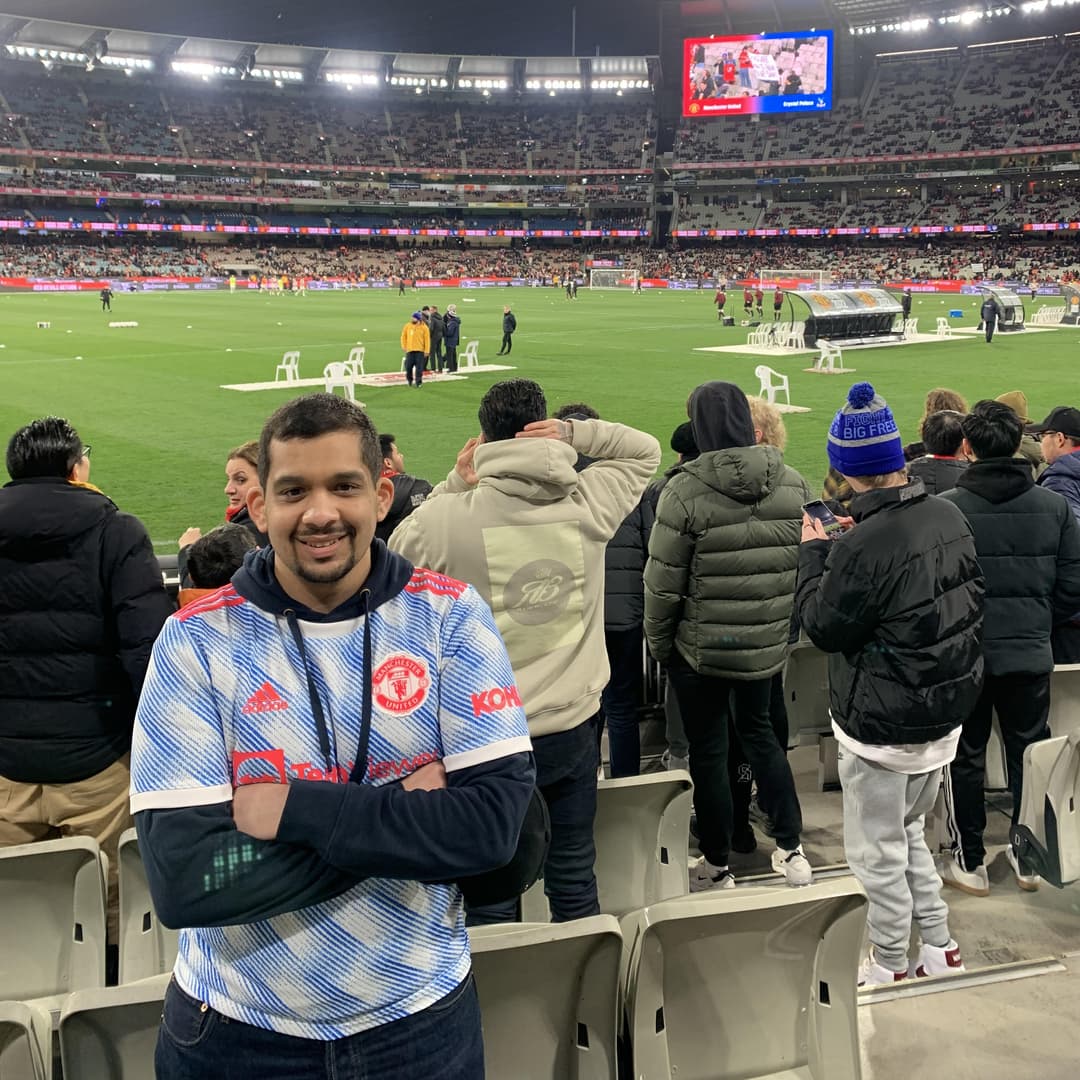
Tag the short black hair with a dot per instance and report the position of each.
(386, 444)
(576, 410)
(942, 432)
(46, 447)
(320, 414)
(993, 429)
(214, 558)
(508, 406)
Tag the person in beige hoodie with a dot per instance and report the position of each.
(514, 520)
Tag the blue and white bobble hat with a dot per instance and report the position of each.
(864, 439)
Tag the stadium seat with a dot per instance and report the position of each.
(338, 374)
(806, 693)
(751, 982)
(549, 998)
(944, 327)
(112, 1033)
(147, 947)
(769, 388)
(642, 834)
(290, 366)
(471, 357)
(795, 336)
(1047, 835)
(830, 359)
(52, 934)
(25, 1041)
(1065, 699)
(355, 363)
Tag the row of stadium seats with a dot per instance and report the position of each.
(69, 112)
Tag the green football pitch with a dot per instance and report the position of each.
(149, 400)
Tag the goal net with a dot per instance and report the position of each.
(794, 278)
(613, 279)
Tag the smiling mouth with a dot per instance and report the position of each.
(320, 543)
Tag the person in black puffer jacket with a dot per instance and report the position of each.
(81, 603)
(451, 337)
(943, 463)
(897, 603)
(1029, 547)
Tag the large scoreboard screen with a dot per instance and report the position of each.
(758, 73)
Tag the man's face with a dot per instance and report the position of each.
(319, 510)
(1053, 446)
(395, 460)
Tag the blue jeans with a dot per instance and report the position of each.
(620, 700)
(566, 765)
(444, 1041)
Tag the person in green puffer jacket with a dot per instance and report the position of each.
(719, 585)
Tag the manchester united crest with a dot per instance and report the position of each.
(400, 683)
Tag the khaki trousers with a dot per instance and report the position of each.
(95, 807)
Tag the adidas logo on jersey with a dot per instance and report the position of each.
(265, 699)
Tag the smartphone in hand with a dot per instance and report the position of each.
(817, 509)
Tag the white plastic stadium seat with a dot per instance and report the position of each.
(788, 1010)
(641, 831)
(911, 327)
(112, 1033)
(355, 363)
(471, 356)
(795, 337)
(25, 1041)
(289, 366)
(1065, 699)
(944, 327)
(1047, 836)
(147, 947)
(769, 387)
(337, 375)
(549, 998)
(806, 693)
(52, 933)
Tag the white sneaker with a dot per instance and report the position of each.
(871, 973)
(974, 882)
(793, 865)
(705, 876)
(935, 960)
(1027, 882)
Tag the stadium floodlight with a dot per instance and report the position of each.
(135, 63)
(42, 53)
(202, 68)
(278, 74)
(352, 78)
(482, 84)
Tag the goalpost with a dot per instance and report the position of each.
(624, 278)
(793, 278)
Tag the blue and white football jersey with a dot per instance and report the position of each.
(226, 703)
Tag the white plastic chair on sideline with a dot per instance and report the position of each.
(769, 388)
(830, 358)
(911, 327)
(549, 998)
(25, 1041)
(355, 363)
(337, 375)
(147, 947)
(944, 327)
(759, 335)
(796, 336)
(641, 831)
(471, 356)
(52, 933)
(112, 1032)
(289, 366)
(795, 952)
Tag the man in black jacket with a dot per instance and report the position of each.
(988, 313)
(409, 491)
(81, 602)
(509, 325)
(944, 462)
(436, 328)
(896, 601)
(1029, 547)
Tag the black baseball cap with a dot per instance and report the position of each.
(1063, 419)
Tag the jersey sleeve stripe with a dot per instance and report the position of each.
(519, 744)
(179, 798)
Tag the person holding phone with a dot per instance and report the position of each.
(896, 599)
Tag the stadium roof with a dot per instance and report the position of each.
(78, 43)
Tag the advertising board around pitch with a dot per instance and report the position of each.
(746, 74)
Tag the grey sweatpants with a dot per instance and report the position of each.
(885, 843)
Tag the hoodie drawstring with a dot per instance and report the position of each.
(317, 711)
